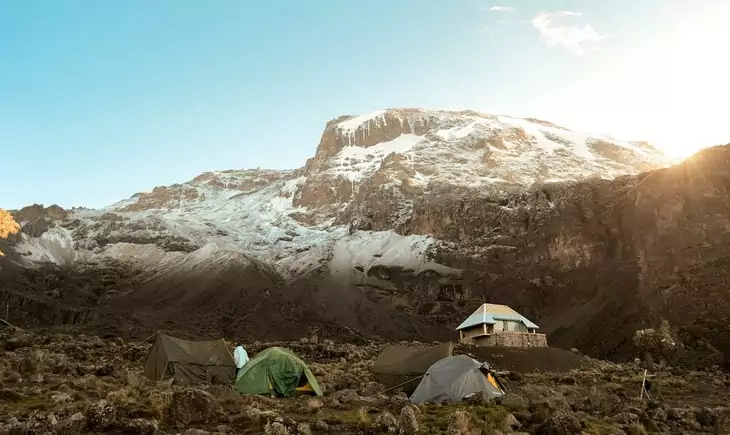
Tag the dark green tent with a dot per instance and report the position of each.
(189, 362)
(277, 371)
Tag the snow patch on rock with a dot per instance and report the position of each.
(55, 245)
(352, 124)
(356, 163)
(367, 249)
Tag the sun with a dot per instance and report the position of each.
(678, 151)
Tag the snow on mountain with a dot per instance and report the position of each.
(293, 220)
(470, 148)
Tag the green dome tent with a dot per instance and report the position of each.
(277, 371)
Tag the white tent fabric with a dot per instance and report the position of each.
(453, 379)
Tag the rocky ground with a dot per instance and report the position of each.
(68, 383)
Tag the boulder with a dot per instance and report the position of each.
(191, 406)
(386, 422)
(101, 415)
(560, 423)
(408, 423)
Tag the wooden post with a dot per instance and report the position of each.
(643, 383)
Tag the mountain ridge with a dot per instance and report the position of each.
(381, 256)
(384, 154)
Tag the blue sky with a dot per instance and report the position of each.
(102, 99)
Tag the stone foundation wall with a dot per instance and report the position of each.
(512, 339)
(473, 333)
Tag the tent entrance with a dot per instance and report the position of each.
(303, 387)
(193, 373)
(496, 383)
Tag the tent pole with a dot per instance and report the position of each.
(163, 372)
(643, 385)
(149, 351)
(148, 338)
(226, 345)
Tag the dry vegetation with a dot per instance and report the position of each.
(72, 383)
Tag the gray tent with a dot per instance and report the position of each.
(190, 362)
(455, 378)
(403, 366)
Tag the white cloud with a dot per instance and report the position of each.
(573, 38)
(502, 9)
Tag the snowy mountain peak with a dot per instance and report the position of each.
(408, 152)
(494, 140)
(367, 172)
(416, 150)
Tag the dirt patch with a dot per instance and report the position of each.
(526, 360)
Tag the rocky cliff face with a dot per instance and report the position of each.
(596, 260)
(400, 224)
